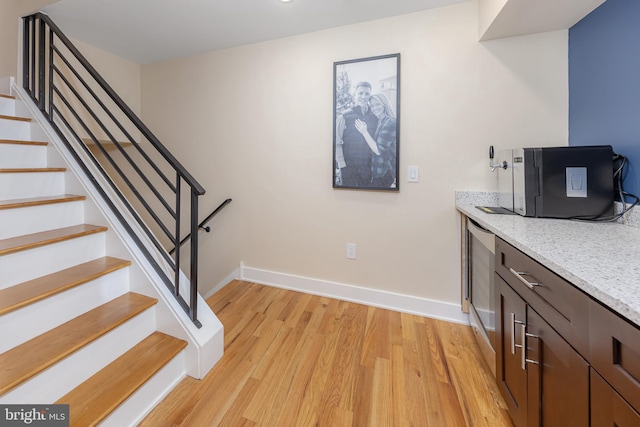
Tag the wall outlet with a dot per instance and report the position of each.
(351, 250)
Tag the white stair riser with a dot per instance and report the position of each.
(15, 129)
(56, 381)
(7, 106)
(28, 322)
(23, 156)
(33, 219)
(19, 325)
(25, 265)
(134, 409)
(31, 184)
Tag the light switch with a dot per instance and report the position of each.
(413, 174)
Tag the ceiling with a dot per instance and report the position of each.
(146, 31)
(518, 17)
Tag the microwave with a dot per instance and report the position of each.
(557, 182)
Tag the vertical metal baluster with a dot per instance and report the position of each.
(176, 241)
(34, 43)
(193, 295)
(25, 52)
(51, 36)
(41, 65)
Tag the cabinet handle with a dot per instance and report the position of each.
(513, 332)
(519, 275)
(523, 337)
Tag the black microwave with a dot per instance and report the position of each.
(557, 182)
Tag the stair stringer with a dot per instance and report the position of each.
(206, 344)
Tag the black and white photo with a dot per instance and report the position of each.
(366, 123)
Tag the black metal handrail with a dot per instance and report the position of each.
(147, 179)
(201, 226)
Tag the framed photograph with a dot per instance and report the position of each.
(366, 107)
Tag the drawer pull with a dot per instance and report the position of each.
(523, 337)
(513, 332)
(519, 275)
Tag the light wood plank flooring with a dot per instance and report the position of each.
(293, 359)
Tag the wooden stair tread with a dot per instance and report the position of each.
(30, 170)
(2, 95)
(96, 398)
(35, 290)
(19, 119)
(32, 357)
(29, 241)
(37, 201)
(22, 142)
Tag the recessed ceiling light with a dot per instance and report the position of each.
(286, 1)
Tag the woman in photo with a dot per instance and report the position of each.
(383, 142)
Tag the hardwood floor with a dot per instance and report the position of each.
(293, 359)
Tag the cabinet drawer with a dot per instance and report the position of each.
(608, 408)
(561, 304)
(615, 352)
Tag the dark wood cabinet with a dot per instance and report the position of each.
(558, 378)
(511, 378)
(615, 352)
(562, 358)
(609, 409)
(544, 381)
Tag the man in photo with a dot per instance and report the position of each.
(353, 155)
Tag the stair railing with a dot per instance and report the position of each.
(202, 225)
(92, 119)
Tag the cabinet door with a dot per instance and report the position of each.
(511, 378)
(615, 352)
(558, 378)
(608, 409)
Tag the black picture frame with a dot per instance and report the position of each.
(361, 162)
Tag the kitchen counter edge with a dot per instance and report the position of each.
(601, 259)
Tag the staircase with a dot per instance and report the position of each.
(73, 330)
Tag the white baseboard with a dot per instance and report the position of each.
(6, 84)
(234, 275)
(372, 297)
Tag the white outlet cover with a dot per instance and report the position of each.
(351, 250)
(413, 174)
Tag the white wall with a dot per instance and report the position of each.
(255, 124)
(122, 75)
(10, 22)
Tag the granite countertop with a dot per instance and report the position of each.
(601, 259)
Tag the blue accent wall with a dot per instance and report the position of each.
(604, 82)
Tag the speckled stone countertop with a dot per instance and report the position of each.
(602, 259)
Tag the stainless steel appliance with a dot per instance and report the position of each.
(557, 182)
(480, 246)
